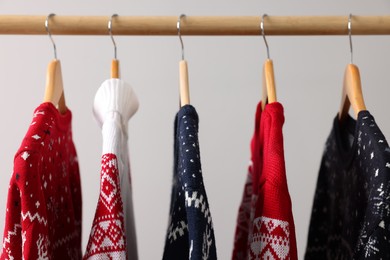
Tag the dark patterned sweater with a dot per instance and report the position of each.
(351, 211)
(190, 232)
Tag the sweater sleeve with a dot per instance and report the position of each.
(26, 228)
(243, 220)
(273, 227)
(107, 239)
(12, 239)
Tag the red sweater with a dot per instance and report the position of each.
(265, 226)
(43, 216)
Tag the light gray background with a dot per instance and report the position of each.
(225, 82)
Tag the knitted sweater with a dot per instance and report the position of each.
(265, 225)
(351, 210)
(113, 231)
(190, 232)
(43, 219)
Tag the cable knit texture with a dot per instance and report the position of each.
(43, 219)
(190, 232)
(265, 225)
(113, 233)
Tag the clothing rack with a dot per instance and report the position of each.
(195, 25)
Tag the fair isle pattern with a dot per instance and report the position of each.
(107, 239)
(197, 200)
(244, 214)
(177, 231)
(43, 244)
(190, 233)
(265, 225)
(207, 243)
(110, 188)
(43, 215)
(36, 216)
(7, 240)
(351, 210)
(14, 232)
(245, 219)
(64, 240)
(270, 239)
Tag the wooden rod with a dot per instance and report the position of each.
(195, 25)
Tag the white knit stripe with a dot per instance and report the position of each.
(36, 216)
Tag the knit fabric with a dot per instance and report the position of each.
(351, 211)
(113, 233)
(190, 232)
(43, 219)
(265, 225)
(107, 238)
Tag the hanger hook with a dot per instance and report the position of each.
(48, 32)
(350, 35)
(110, 32)
(178, 33)
(262, 32)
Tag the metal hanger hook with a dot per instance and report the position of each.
(48, 32)
(262, 32)
(350, 35)
(178, 33)
(110, 32)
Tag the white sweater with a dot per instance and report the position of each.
(115, 103)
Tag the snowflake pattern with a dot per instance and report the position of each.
(381, 200)
(42, 246)
(354, 187)
(41, 208)
(190, 234)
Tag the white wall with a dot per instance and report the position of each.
(225, 81)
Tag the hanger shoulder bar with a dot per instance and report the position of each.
(195, 25)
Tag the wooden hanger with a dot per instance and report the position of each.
(269, 87)
(115, 69)
(184, 87)
(115, 72)
(352, 94)
(54, 91)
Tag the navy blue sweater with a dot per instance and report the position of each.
(190, 232)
